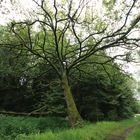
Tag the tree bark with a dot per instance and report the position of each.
(73, 114)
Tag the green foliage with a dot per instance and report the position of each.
(11, 127)
(12, 92)
(98, 131)
(103, 92)
(137, 107)
(52, 100)
(135, 134)
(109, 3)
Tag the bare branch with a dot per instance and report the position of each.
(126, 18)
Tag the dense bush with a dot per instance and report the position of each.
(104, 95)
(137, 107)
(11, 127)
(101, 92)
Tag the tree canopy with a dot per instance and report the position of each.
(71, 35)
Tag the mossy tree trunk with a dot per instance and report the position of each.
(73, 114)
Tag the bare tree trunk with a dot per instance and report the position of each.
(73, 114)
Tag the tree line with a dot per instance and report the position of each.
(64, 66)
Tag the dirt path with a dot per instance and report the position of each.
(121, 136)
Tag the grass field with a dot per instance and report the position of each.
(135, 134)
(98, 131)
(54, 128)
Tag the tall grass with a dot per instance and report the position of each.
(98, 131)
(135, 134)
(54, 128)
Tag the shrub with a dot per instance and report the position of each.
(11, 127)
